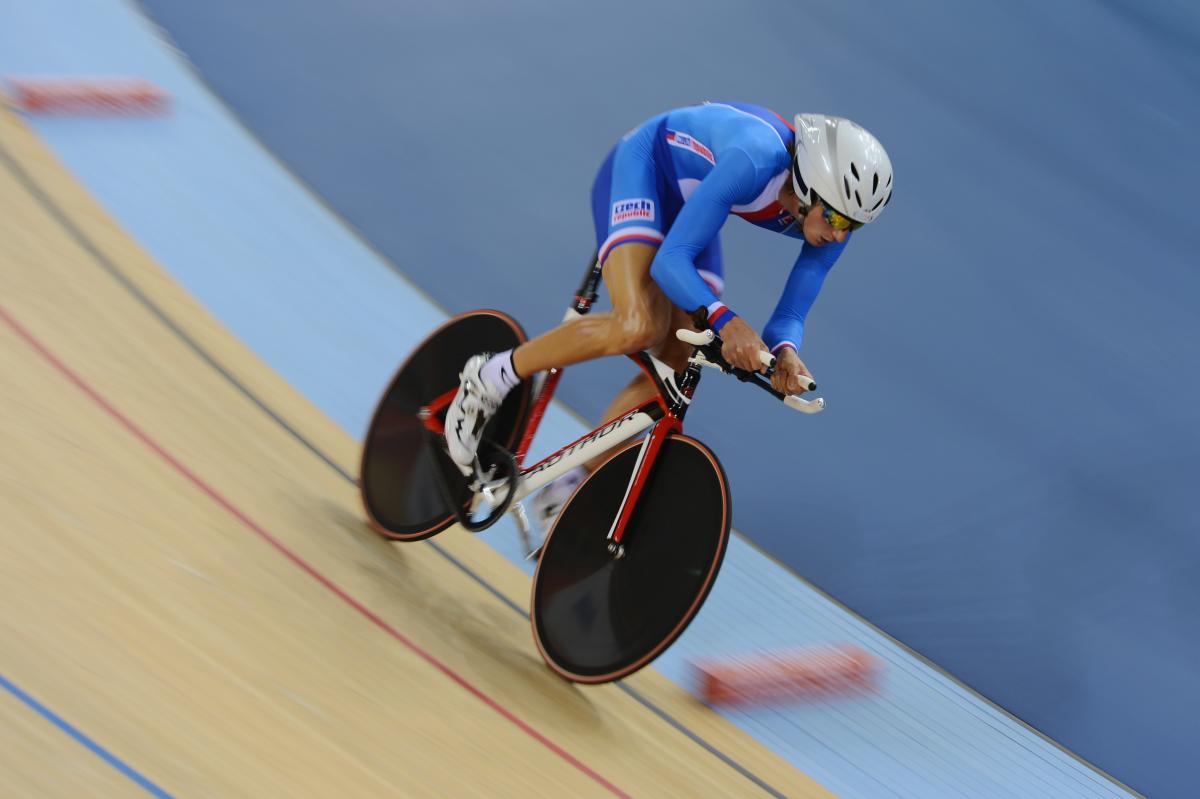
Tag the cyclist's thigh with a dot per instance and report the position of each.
(635, 296)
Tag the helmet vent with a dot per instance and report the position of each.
(854, 171)
(846, 186)
(858, 198)
(889, 181)
(800, 182)
(888, 200)
(877, 204)
(875, 183)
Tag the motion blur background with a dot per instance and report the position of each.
(1005, 479)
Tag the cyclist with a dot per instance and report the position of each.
(659, 202)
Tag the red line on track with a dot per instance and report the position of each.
(73, 377)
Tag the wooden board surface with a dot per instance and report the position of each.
(186, 577)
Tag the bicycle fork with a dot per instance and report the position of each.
(677, 396)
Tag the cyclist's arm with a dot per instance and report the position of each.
(786, 326)
(698, 223)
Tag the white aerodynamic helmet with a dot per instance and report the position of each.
(843, 165)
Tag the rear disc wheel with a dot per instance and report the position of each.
(401, 460)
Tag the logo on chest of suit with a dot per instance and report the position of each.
(686, 142)
(625, 210)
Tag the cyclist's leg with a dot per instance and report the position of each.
(671, 350)
(640, 319)
(631, 217)
(637, 321)
(625, 247)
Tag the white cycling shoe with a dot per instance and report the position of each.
(546, 504)
(475, 403)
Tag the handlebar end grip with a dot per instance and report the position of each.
(805, 406)
(696, 339)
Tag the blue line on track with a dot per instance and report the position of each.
(96, 749)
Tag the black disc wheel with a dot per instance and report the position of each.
(597, 617)
(402, 461)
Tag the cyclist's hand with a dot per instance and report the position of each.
(741, 345)
(789, 371)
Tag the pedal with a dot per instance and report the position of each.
(489, 492)
(479, 479)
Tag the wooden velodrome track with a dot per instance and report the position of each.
(187, 583)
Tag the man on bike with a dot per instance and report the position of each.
(659, 202)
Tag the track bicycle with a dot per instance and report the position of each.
(633, 552)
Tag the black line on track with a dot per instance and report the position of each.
(79, 237)
(83, 241)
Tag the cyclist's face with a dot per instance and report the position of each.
(817, 230)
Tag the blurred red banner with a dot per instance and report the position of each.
(75, 96)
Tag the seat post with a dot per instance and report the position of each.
(589, 289)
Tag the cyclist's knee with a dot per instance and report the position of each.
(635, 332)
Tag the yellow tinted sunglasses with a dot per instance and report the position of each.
(838, 221)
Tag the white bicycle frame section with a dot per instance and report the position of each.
(611, 435)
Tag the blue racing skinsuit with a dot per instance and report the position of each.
(673, 181)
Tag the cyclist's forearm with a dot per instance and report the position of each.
(676, 275)
(786, 325)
